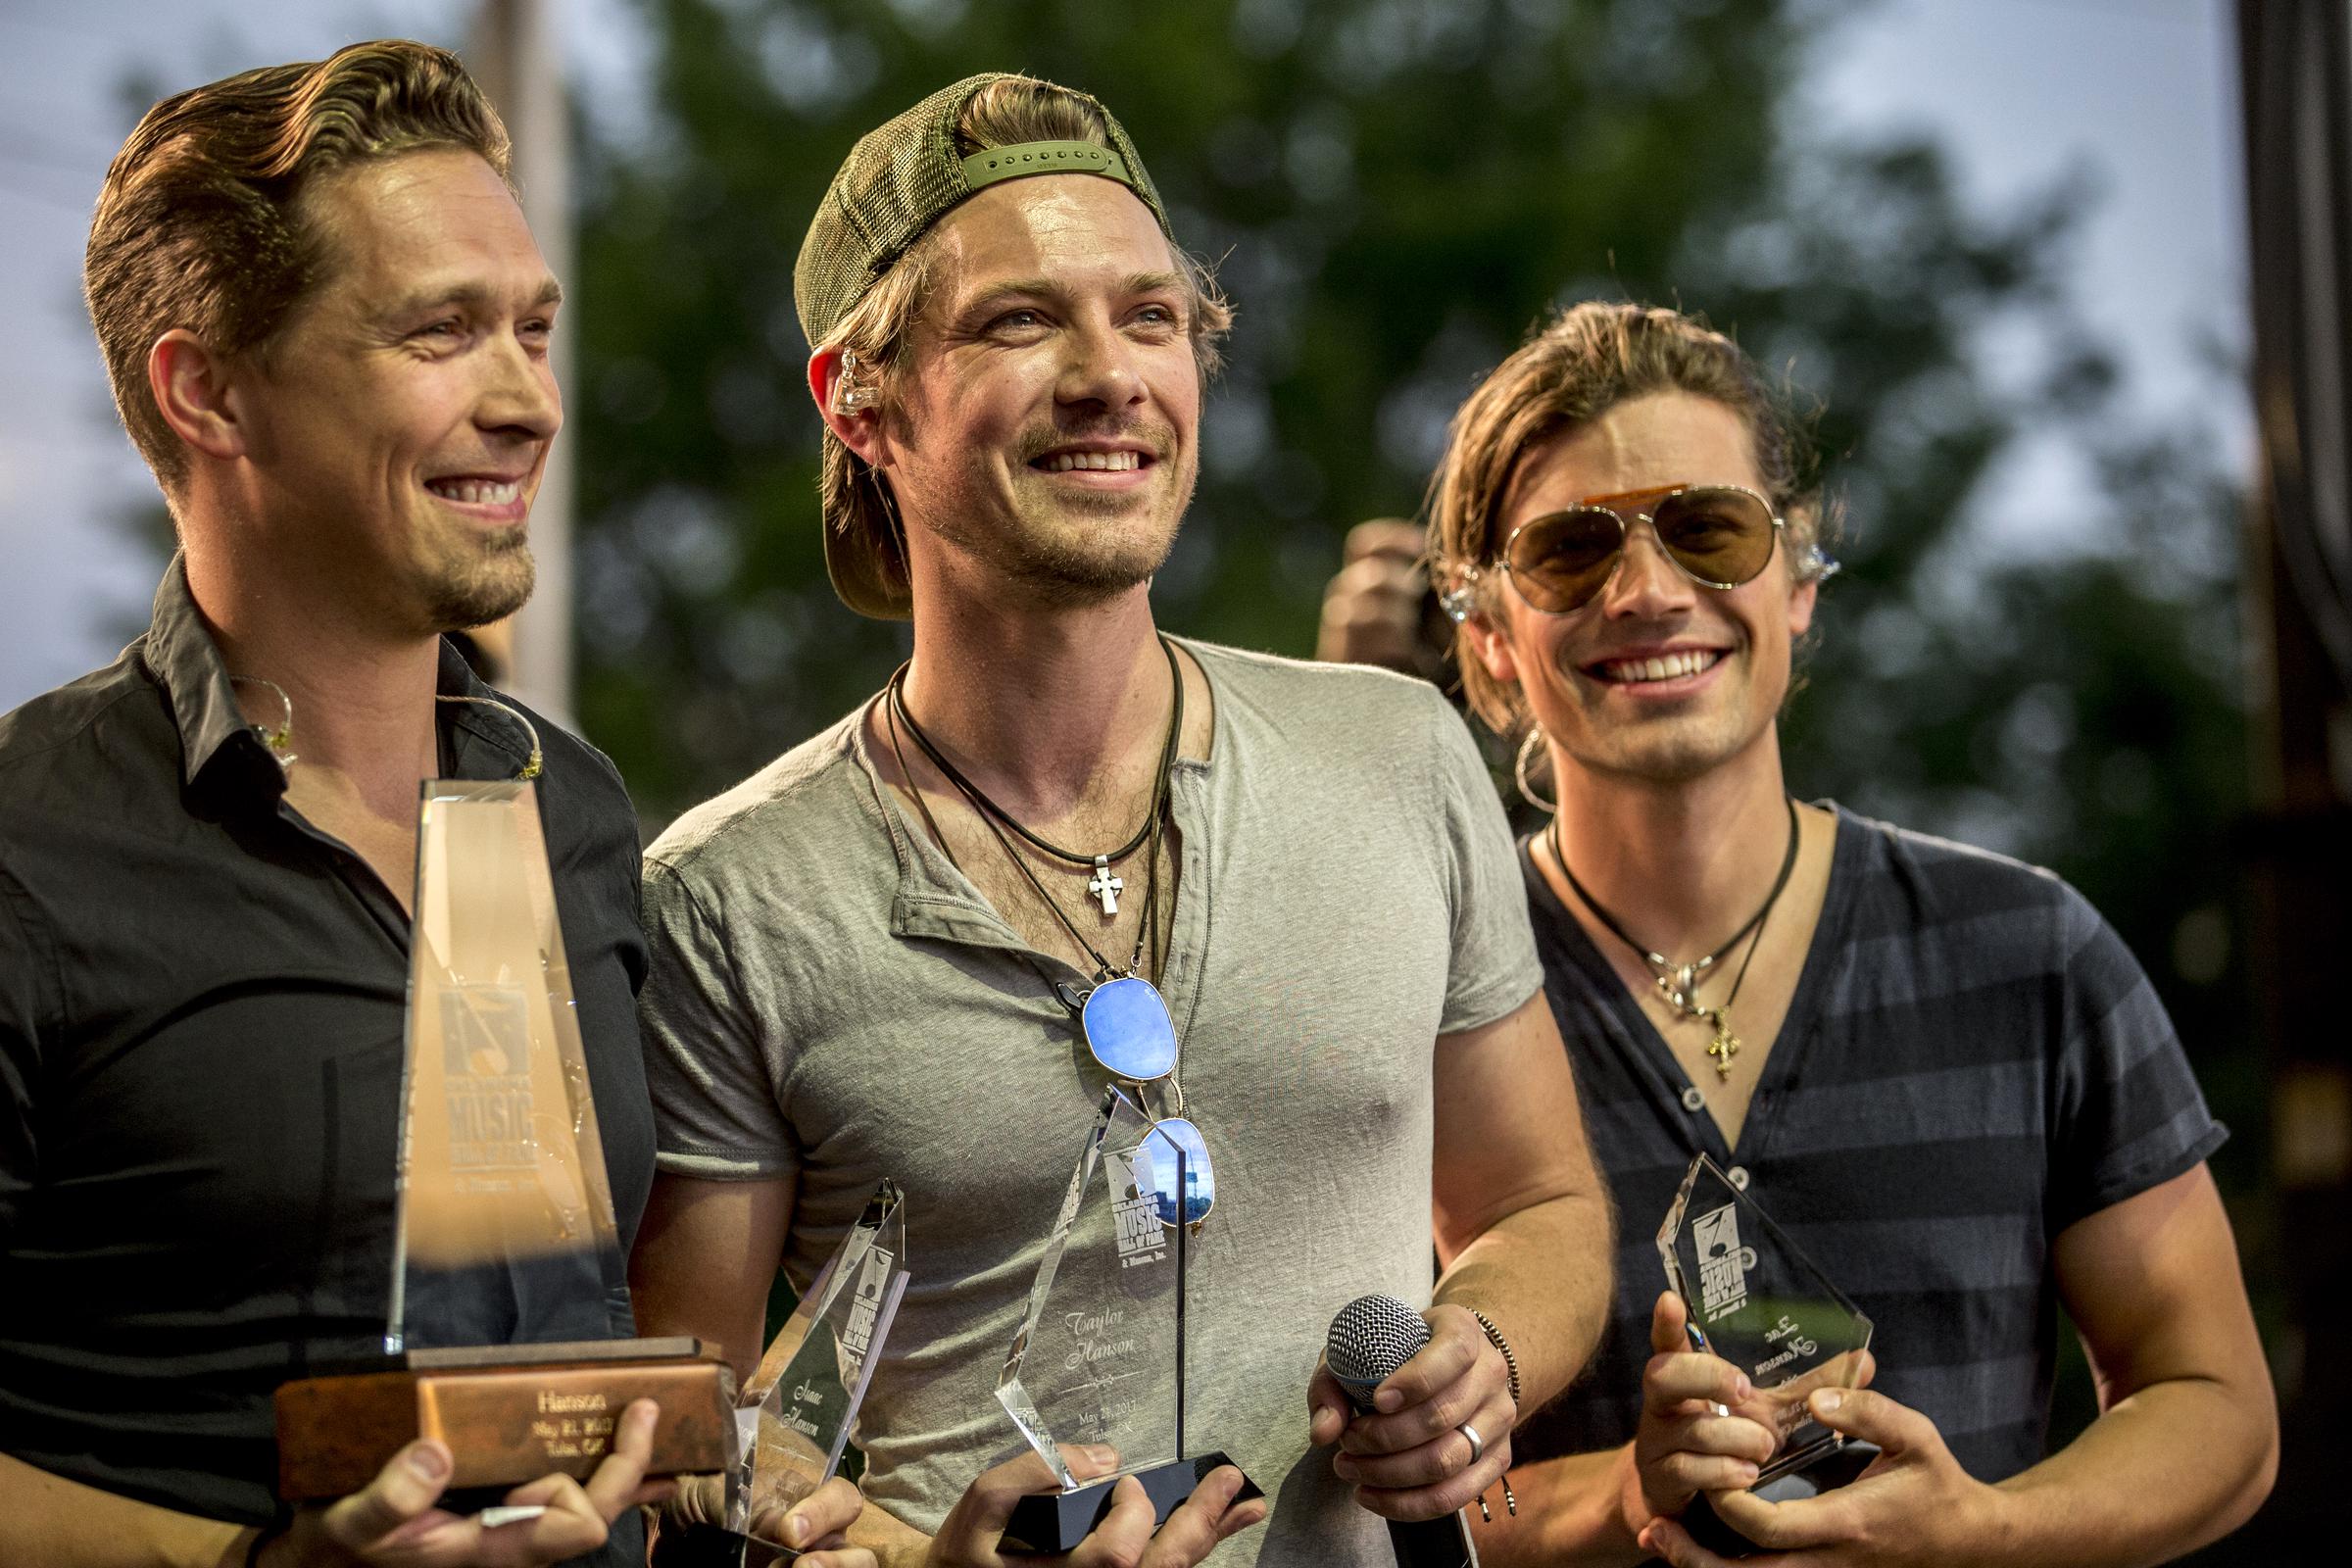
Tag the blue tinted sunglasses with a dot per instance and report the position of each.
(1129, 1031)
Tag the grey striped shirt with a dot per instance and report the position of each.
(1971, 1062)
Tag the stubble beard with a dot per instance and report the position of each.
(1670, 750)
(1667, 759)
(1078, 549)
(480, 579)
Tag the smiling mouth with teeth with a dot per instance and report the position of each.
(1666, 667)
(1095, 461)
(478, 492)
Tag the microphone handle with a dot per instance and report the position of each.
(1426, 1543)
(1433, 1543)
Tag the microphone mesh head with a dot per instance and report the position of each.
(1371, 1338)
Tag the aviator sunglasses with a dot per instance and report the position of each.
(1717, 535)
(1129, 1031)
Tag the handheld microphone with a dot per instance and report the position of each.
(1370, 1339)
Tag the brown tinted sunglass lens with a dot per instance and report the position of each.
(1720, 536)
(1560, 559)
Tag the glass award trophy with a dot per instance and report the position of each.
(1099, 1357)
(799, 1410)
(508, 1281)
(1759, 1304)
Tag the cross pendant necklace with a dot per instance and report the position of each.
(1104, 969)
(1725, 1045)
(1680, 981)
(1103, 885)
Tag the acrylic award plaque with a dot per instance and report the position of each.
(1099, 1355)
(1759, 1303)
(506, 1277)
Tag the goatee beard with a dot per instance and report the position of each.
(491, 586)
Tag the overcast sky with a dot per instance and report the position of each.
(2141, 92)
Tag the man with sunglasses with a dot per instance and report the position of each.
(922, 943)
(1941, 1071)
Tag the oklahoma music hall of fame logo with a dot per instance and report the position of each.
(486, 1078)
(858, 1335)
(1134, 1209)
(1723, 1264)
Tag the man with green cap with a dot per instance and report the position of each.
(870, 958)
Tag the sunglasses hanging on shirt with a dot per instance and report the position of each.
(1124, 1018)
(1131, 1035)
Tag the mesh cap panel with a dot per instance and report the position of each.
(899, 180)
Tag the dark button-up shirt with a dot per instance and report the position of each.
(202, 1002)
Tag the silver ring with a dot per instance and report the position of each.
(1478, 1447)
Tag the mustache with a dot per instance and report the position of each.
(1153, 436)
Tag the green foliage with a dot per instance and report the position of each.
(1393, 191)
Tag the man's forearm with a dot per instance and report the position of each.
(1551, 1315)
(1571, 1510)
(2177, 1464)
(58, 1523)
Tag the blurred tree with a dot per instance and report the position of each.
(1393, 191)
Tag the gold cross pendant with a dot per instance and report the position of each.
(1725, 1045)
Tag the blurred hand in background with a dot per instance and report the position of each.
(1379, 609)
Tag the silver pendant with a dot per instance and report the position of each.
(1680, 982)
(1103, 885)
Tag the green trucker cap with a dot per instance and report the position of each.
(899, 180)
(905, 175)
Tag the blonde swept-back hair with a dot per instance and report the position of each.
(200, 222)
(1573, 369)
(876, 329)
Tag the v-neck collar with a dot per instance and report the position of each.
(934, 898)
(1654, 1064)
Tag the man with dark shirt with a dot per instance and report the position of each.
(327, 328)
(1942, 1072)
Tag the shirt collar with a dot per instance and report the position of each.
(478, 742)
(186, 663)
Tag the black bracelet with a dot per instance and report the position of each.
(1510, 1363)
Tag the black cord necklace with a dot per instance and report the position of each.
(1103, 885)
(891, 717)
(1680, 981)
(984, 810)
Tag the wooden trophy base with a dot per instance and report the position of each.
(1057, 1521)
(510, 1413)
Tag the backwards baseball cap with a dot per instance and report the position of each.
(899, 180)
(908, 175)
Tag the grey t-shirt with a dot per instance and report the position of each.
(830, 997)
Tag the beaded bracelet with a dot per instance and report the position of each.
(1510, 1363)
